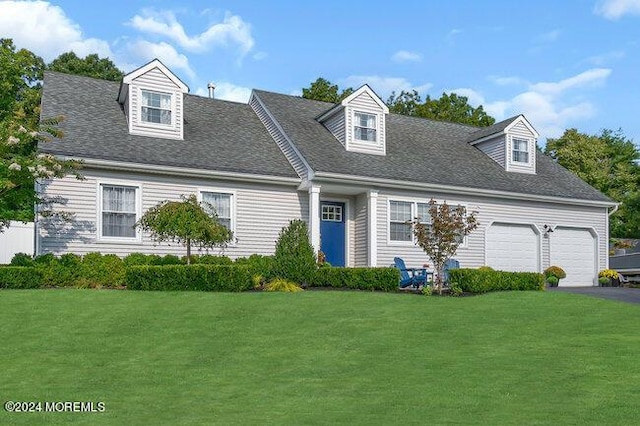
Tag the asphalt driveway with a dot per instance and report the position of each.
(623, 294)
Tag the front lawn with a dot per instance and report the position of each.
(320, 357)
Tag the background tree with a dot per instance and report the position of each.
(91, 66)
(449, 107)
(20, 133)
(608, 161)
(186, 222)
(20, 167)
(441, 238)
(323, 90)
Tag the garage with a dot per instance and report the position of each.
(513, 247)
(574, 250)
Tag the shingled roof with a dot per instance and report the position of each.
(418, 150)
(218, 135)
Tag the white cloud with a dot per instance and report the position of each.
(506, 81)
(406, 56)
(590, 78)
(260, 56)
(145, 51)
(549, 36)
(548, 105)
(46, 30)
(614, 9)
(232, 31)
(607, 57)
(228, 92)
(383, 86)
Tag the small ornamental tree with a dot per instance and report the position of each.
(185, 222)
(294, 259)
(441, 238)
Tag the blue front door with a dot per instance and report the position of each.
(332, 237)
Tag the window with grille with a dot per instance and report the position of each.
(156, 107)
(119, 211)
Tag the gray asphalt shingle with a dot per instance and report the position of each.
(419, 150)
(218, 135)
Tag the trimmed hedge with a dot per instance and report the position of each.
(482, 281)
(20, 277)
(383, 279)
(189, 277)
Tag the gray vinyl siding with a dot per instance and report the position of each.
(155, 80)
(492, 210)
(520, 131)
(494, 148)
(276, 132)
(365, 103)
(336, 125)
(361, 239)
(261, 212)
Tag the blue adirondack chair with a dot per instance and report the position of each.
(410, 276)
(449, 264)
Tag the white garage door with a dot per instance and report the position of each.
(512, 248)
(574, 250)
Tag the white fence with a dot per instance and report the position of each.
(17, 238)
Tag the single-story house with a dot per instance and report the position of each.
(353, 171)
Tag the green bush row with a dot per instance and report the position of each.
(383, 279)
(71, 270)
(191, 277)
(20, 277)
(482, 281)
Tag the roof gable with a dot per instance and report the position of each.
(129, 78)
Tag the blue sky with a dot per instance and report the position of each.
(573, 63)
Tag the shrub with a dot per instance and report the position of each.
(210, 259)
(169, 259)
(279, 284)
(552, 280)
(608, 273)
(134, 259)
(189, 277)
(384, 279)
(604, 281)
(295, 259)
(45, 259)
(20, 277)
(486, 268)
(476, 281)
(22, 259)
(455, 291)
(555, 271)
(102, 270)
(259, 266)
(427, 290)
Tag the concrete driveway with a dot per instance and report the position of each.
(623, 294)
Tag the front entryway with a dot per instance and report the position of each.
(332, 232)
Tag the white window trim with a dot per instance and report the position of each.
(357, 145)
(148, 124)
(118, 240)
(530, 151)
(234, 210)
(513, 150)
(375, 127)
(414, 213)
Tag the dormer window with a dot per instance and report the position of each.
(520, 151)
(156, 107)
(365, 127)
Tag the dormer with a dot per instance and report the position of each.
(358, 122)
(510, 143)
(152, 99)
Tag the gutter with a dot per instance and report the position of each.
(615, 209)
(398, 184)
(183, 171)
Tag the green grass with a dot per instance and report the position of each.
(320, 358)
